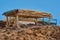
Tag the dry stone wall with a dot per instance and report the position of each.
(34, 33)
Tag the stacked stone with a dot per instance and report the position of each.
(36, 33)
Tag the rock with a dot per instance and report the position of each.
(3, 31)
(28, 31)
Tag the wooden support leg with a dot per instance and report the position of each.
(17, 21)
(9, 21)
(7, 25)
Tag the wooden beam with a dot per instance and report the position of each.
(30, 16)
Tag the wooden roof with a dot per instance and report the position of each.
(27, 13)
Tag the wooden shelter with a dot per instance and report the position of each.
(16, 14)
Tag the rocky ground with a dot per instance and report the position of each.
(31, 33)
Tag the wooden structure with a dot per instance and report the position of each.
(16, 14)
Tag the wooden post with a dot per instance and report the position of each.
(7, 25)
(17, 20)
(9, 20)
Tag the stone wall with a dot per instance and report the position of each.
(33, 33)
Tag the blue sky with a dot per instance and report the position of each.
(50, 6)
